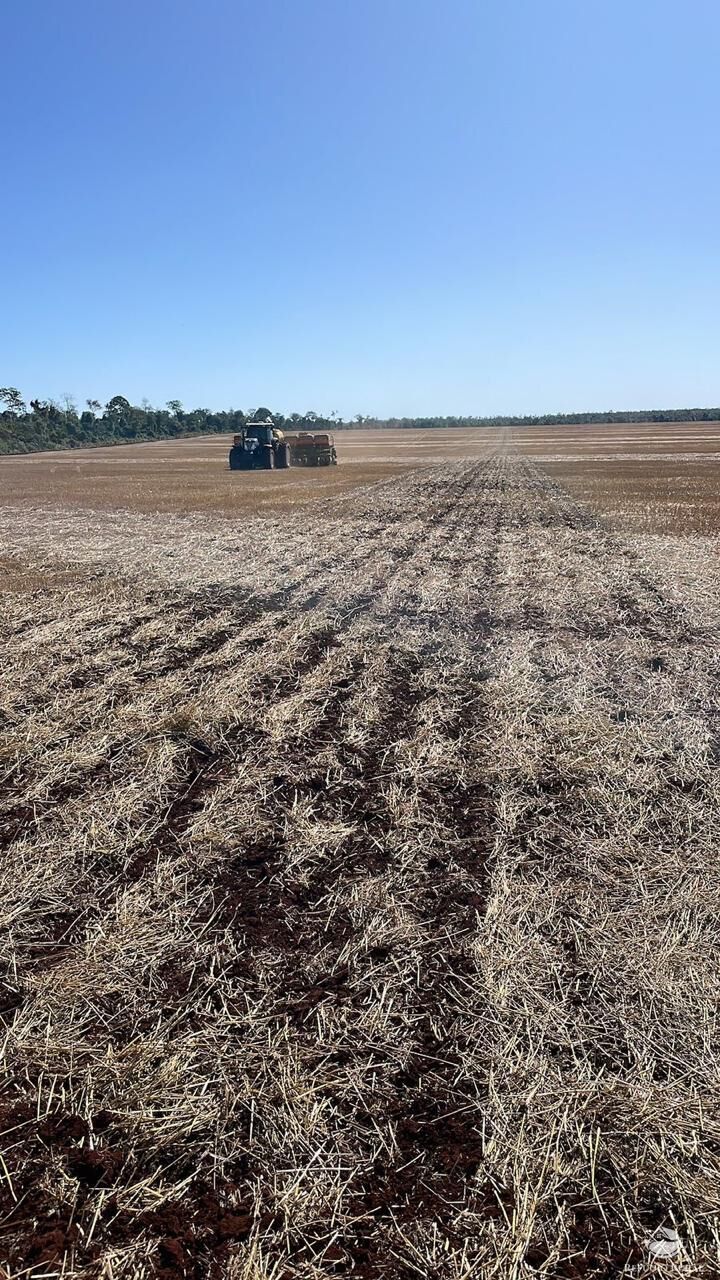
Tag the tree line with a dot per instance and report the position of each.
(26, 427)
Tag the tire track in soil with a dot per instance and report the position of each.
(215, 767)
(436, 1123)
(207, 769)
(251, 900)
(428, 1112)
(218, 766)
(23, 818)
(176, 660)
(255, 901)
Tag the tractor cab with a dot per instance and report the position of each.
(262, 432)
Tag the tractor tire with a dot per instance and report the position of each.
(267, 458)
(282, 457)
(237, 459)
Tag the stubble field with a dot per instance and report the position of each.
(359, 859)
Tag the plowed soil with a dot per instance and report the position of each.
(359, 884)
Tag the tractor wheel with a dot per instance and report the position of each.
(282, 456)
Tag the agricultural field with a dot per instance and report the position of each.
(359, 840)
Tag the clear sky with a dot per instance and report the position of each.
(370, 206)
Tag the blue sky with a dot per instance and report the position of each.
(372, 206)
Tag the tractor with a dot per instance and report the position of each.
(261, 446)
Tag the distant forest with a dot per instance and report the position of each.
(47, 424)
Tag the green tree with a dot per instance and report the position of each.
(11, 398)
(118, 405)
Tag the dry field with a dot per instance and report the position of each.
(658, 478)
(359, 860)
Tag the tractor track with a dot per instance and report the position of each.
(256, 619)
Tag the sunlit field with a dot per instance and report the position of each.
(359, 858)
